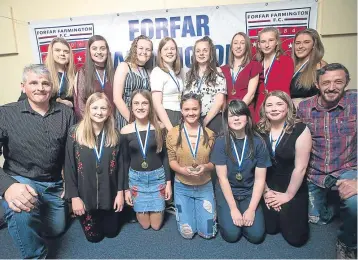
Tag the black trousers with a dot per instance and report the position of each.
(97, 224)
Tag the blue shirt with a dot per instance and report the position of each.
(260, 159)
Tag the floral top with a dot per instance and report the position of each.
(96, 183)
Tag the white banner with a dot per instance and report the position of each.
(184, 25)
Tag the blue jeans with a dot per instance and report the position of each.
(48, 218)
(320, 213)
(230, 232)
(195, 209)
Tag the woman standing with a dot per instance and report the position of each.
(278, 69)
(96, 75)
(241, 74)
(241, 159)
(189, 146)
(286, 192)
(94, 182)
(130, 76)
(307, 55)
(206, 79)
(59, 62)
(146, 168)
(166, 83)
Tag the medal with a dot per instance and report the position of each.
(199, 83)
(102, 81)
(194, 151)
(238, 175)
(277, 141)
(179, 97)
(100, 152)
(61, 84)
(299, 69)
(143, 149)
(233, 91)
(268, 70)
(234, 78)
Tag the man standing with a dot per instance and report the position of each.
(32, 138)
(332, 118)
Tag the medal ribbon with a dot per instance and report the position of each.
(239, 161)
(199, 83)
(268, 70)
(101, 81)
(194, 153)
(61, 83)
(278, 139)
(100, 152)
(233, 79)
(142, 148)
(176, 81)
(302, 66)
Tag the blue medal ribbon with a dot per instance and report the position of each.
(101, 81)
(267, 72)
(142, 148)
(194, 151)
(234, 78)
(239, 160)
(62, 83)
(100, 152)
(278, 139)
(300, 68)
(176, 81)
(199, 82)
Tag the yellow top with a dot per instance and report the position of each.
(183, 156)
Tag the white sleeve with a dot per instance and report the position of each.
(157, 80)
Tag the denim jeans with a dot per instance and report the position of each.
(320, 213)
(48, 218)
(195, 209)
(230, 232)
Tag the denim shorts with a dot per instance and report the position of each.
(147, 190)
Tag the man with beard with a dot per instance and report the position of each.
(332, 119)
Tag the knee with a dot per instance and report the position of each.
(350, 205)
(228, 236)
(296, 241)
(256, 238)
(94, 239)
(156, 227)
(186, 231)
(144, 225)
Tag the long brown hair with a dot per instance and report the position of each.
(247, 54)
(211, 71)
(132, 55)
(152, 117)
(278, 50)
(90, 69)
(176, 65)
(264, 125)
(84, 132)
(309, 72)
(69, 68)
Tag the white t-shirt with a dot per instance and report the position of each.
(168, 85)
(207, 93)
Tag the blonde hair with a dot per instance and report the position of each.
(160, 63)
(247, 55)
(309, 72)
(278, 50)
(84, 132)
(264, 125)
(132, 55)
(69, 68)
(152, 117)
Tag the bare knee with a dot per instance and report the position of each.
(156, 227)
(144, 225)
(186, 231)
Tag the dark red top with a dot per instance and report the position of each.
(279, 78)
(250, 71)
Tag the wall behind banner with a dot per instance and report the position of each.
(340, 39)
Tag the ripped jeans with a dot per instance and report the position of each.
(320, 213)
(195, 209)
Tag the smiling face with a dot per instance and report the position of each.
(99, 111)
(191, 111)
(331, 86)
(38, 88)
(303, 45)
(268, 43)
(99, 52)
(140, 106)
(61, 53)
(237, 123)
(144, 51)
(238, 46)
(202, 52)
(276, 109)
(169, 53)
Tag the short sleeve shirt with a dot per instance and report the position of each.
(260, 159)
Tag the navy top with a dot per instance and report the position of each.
(261, 159)
(298, 91)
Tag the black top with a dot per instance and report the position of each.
(279, 175)
(261, 159)
(63, 91)
(298, 91)
(96, 183)
(132, 155)
(33, 145)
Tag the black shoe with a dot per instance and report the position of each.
(170, 209)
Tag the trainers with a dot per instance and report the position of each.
(344, 252)
(170, 209)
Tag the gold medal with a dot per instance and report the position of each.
(194, 165)
(265, 92)
(144, 165)
(233, 91)
(238, 176)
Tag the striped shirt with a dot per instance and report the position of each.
(33, 145)
(334, 136)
